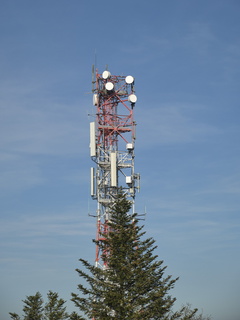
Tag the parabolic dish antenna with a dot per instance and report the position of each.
(109, 86)
(129, 79)
(106, 74)
(132, 98)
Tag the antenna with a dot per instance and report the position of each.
(93, 77)
(112, 146)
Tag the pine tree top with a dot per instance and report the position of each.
(132, 285)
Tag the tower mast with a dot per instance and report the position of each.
(112, 143)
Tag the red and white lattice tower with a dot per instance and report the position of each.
(112, 142)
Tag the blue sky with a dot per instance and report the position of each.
(185, 57)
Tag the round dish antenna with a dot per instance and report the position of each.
(109, 86)
(106, 74)
(129, 79)
(132, 98)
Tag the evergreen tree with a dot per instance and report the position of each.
(54, 309)
(133, 285)
(33, 308)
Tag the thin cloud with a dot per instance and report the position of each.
(196, 37)
(171, 124)
(43, 225)
(200, 37)
(223, 185)
(19, 173)
(41, 131)
(33, 125)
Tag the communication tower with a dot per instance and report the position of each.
(112, 143)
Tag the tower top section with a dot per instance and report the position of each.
(112, 137)
(114, 98)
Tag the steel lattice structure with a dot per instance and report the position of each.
(112, 142)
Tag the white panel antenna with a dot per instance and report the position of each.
(93, 182)
(113, 169)
(92, 139)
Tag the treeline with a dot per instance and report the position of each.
(54, 308)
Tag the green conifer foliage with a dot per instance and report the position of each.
(14, 316)
(54, 309)
(133, 285)
(33, 307)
